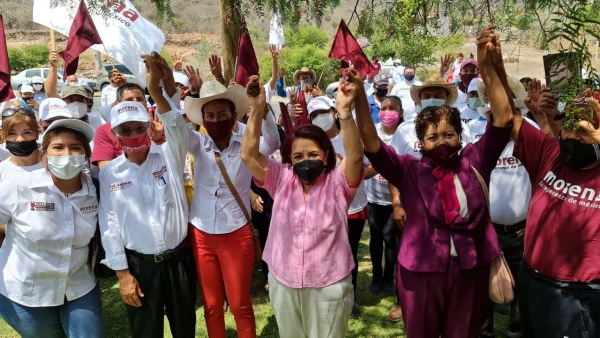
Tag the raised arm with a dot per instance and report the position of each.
(51, 82)
(154, 71)
(253, 159)
(281, 84)
(351, 92)
(275, 70)
(215, 68)
(366, 126)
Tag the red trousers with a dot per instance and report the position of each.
(225, 264)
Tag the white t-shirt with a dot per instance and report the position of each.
(109, 95)
(405, 140)
(510, 188)
(9, 170)
(461, 99)
(467, 114)
(360, 199)
(377, 186)
(402, 90)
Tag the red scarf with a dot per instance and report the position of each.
(448, 197)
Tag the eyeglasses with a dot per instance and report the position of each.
(127, 132)
(12, 111)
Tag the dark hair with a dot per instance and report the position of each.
(525, 80)
(230, 106)
(79, 136)
(310, 132)
(394, 98)
(128, 86)
(375, 56)
(408, 67)
(433, 115)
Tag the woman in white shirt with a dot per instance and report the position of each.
(47, 286)
(20, 131)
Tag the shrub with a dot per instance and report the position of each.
(30, 56)
(306, 35)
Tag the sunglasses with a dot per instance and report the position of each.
(127, 132)
(12, 111)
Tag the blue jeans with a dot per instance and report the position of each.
(81, 317)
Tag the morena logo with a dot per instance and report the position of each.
(122, 11)
(127, 108)
(572, 190)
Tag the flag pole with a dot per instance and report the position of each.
(53, 39)
(235, 69)
(322, 71)
(109, 57)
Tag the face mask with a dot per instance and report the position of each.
(309, 170)
(475, 103)
(578, 155)
(219, 131)
(77, 109)
(66, 167)
(432, 103)
(323, 121)
(466, 78)
(409, 77)
(388, 118)
(381, 92)
(135, 145)
(38, 87)
(22, 149)
(190, 125)
(443, 155)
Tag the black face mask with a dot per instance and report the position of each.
(578, 155)
(309, 170)
(22, 149)
(409, 77)
(381, 92)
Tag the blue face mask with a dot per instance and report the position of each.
(432, 103)
(475, 103)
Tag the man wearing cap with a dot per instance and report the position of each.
(469, 69)
(402, 90)
(221, 234)
(380, 91)
(300, 77)
(397, 72)
(143, 218)
(109, 93)
(53, 109)
(469, 112)
(26, 99)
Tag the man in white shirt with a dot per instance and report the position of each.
(109, 93)
(143, 217)
(402, 90)
(456, 67)
(398, 72)
(469, 112)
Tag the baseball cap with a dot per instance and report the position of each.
(381, 79)
(74, 124)
(128, 111)
(181, 78)
(52, 108)
(87, 88)
(469, 62)
(73, 90)
(319, 103)
(473, 85)
(37, 80)
(26, 89)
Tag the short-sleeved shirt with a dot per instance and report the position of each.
(562, 240)
(106, 147)
(308, 243)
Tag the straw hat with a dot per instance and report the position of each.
(434, 80)
(214, 90)
(304, 70)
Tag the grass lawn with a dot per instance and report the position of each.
(372, 323)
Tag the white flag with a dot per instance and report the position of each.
(276, 30)
(126, 34)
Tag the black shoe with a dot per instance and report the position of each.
(389, 288)
(375, 287)
(355, 311)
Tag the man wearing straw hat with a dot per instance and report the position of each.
(300, 77)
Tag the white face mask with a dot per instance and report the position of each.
(38, 87)
(72, 83)
(66, 167)
(77, 109)
(323, 121)
(432, 103)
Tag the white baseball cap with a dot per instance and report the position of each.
(319, 103)
(128, 111)
(179, 77)
(473, 85)
(37, 80)
(74, 124)
(52, 108)
(26, 89)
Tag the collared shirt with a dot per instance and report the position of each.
(214, 209)
(44, 257)
(144, 208)
(109, 95)
(375, 107)
(308, 244)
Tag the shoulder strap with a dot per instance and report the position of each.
(484, 186)
(96, 183)
(232, 188)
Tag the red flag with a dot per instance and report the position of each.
(247, 65)
(6, 92)
(286, 121)
(346, 48)
(302, 119)
(82, 36)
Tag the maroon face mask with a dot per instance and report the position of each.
(443, 155)
(466, 79)
(220, 130)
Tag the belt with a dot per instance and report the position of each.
(512, 228)
(163, 256)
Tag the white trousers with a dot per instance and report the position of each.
(312, 312)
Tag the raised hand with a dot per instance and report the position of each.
(445, 63)
(316, 91)
(282, 72)
(548, 102)
(255, 94)
(153, 70)
(294, 95)
(274, 52)
(534, 93)
(215, 66)
(53, 58)
(588, 126)
(348, 88)
(194, 78)
(177, 62)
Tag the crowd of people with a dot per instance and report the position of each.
(181, 185)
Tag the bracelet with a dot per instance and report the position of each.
(349, 117)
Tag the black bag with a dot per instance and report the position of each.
(97, 252)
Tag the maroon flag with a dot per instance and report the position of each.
(82, 36)
(6, 92)
(286, 121)
(302, 119)
(346, 48)
(247, 65)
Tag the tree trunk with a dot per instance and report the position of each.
(230, 31)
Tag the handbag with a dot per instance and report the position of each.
(97, 253)
(255, 237)
(501, 281)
